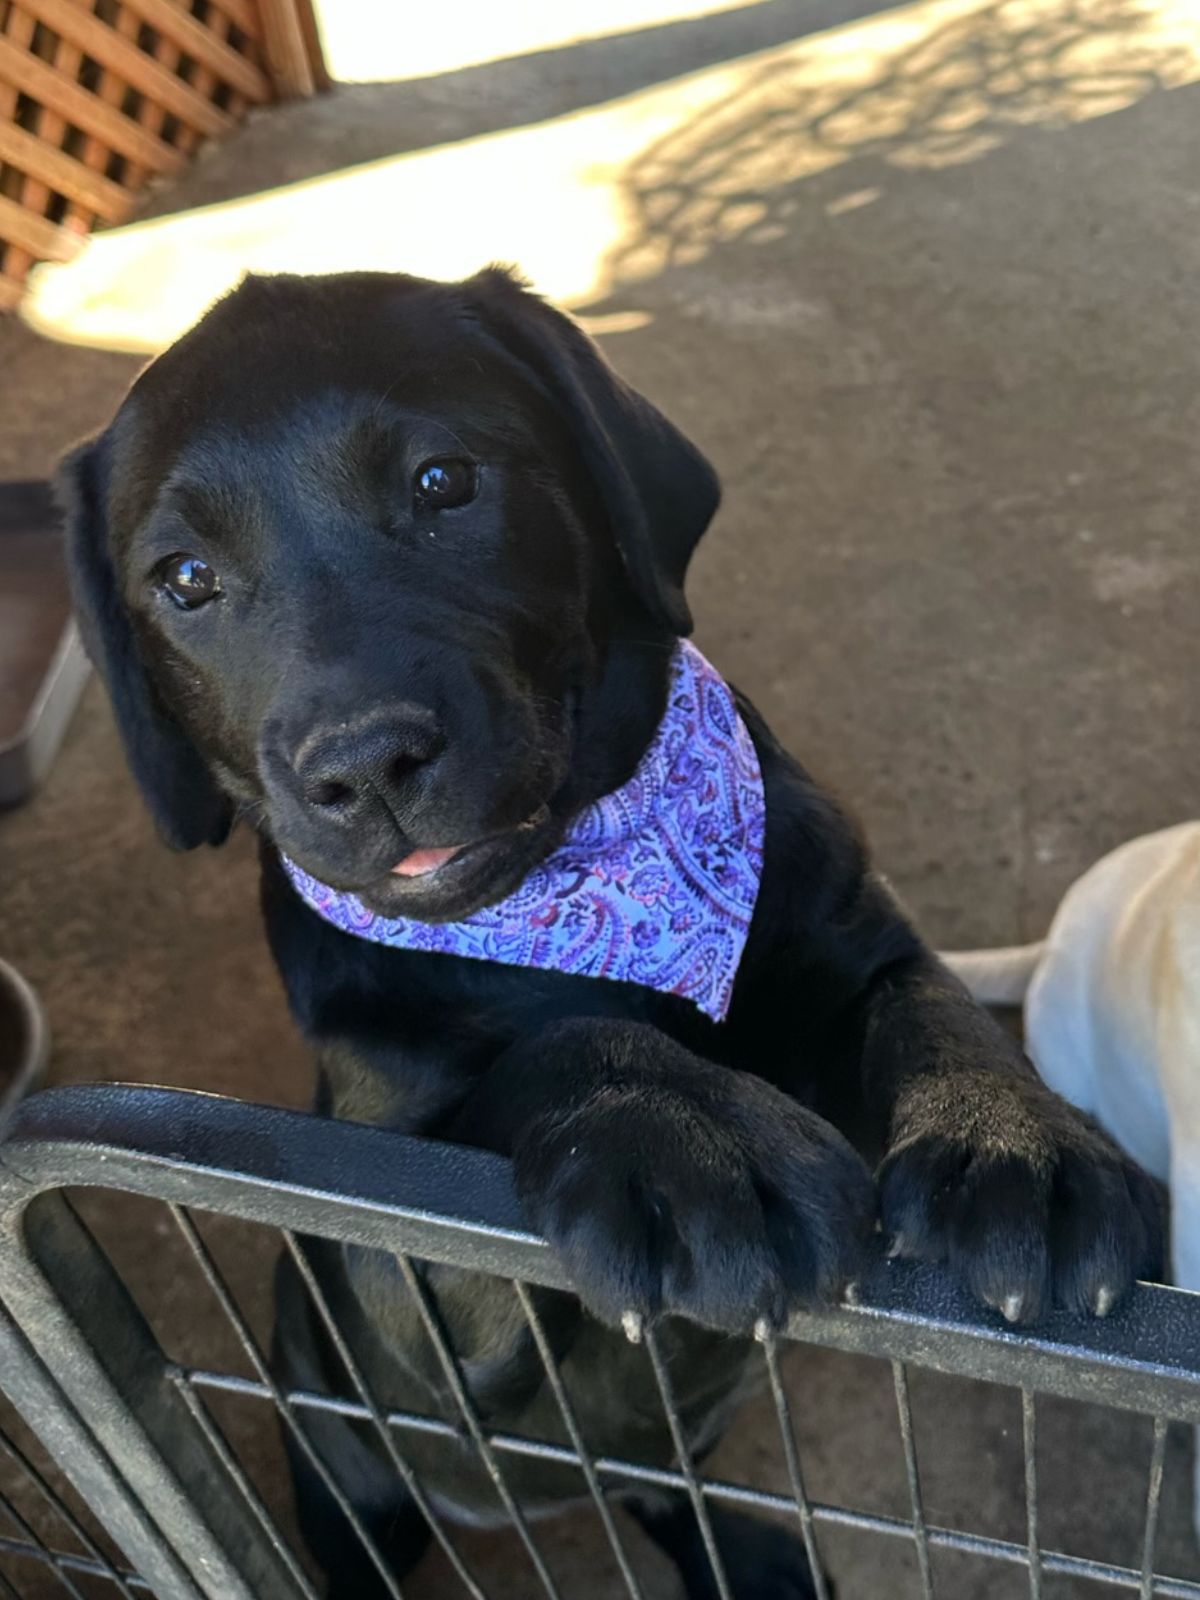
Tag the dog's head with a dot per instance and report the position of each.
(351, 558)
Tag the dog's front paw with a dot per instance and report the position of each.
(1031, 1204)
(701, 1191)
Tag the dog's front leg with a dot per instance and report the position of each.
(1031, 1204)
(667, 1183)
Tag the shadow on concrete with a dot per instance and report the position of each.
(966, 89)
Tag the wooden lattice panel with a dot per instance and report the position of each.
(99, 96)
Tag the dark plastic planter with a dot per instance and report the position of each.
(24, 1040)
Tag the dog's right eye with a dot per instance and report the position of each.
(189, 581)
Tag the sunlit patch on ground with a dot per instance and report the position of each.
(612, 195)
(366, 42)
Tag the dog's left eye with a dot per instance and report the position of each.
(446, 483)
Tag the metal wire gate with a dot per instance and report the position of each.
(137, 1440)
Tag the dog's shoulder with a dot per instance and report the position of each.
(825, 921)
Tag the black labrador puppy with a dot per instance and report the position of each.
(394, 570)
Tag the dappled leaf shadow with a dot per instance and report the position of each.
(959, 91)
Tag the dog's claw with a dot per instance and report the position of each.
(1104, 1301)
(896, 1247)
(1013, 1307)
(851, 1295)
(632, 1324)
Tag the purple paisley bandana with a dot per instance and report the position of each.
(654, 884)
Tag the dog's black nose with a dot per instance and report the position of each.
(373, 758)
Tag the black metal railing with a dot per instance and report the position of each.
(137, 1432)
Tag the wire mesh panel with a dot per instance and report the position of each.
(50, 1542)
(164, 1405)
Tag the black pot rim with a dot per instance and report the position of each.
(19, 1075)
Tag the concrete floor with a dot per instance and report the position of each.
(952, 386)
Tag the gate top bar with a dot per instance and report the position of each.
(456, 1205)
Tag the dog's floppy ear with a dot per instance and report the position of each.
(659, 491)
(175, 783)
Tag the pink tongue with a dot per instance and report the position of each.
(423, 861)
